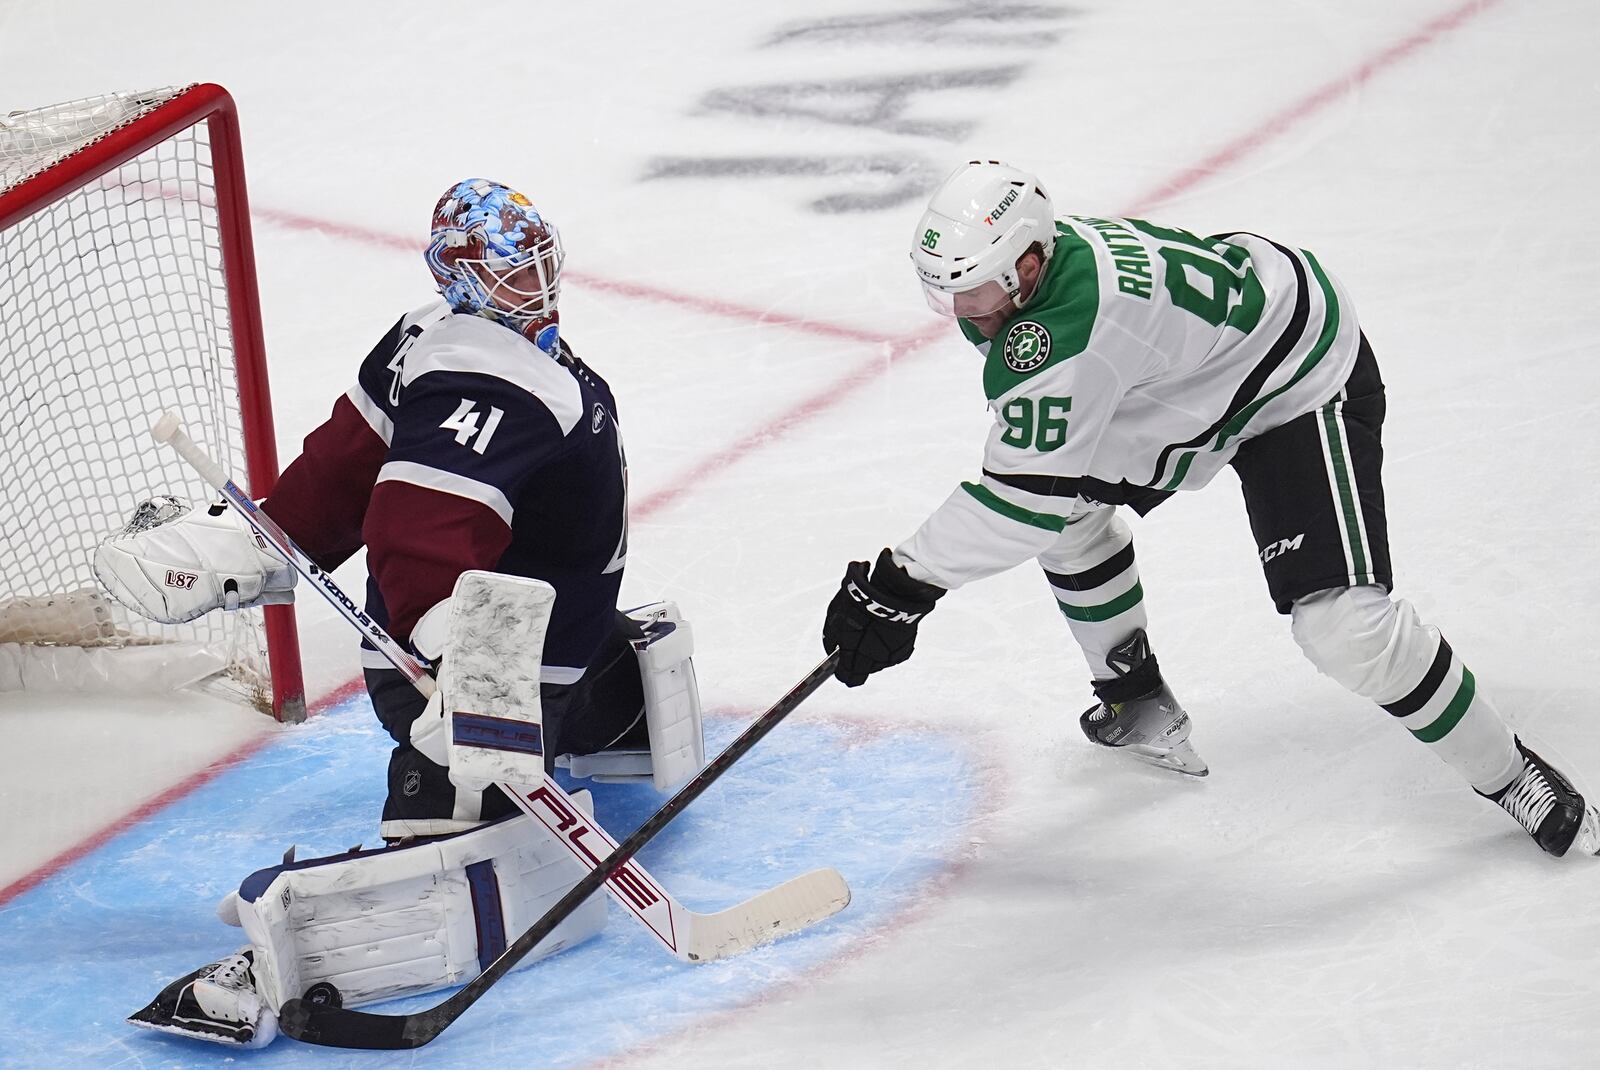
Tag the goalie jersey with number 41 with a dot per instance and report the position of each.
(1145, 359)
(463, 446)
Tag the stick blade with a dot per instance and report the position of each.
(339, 1027)
(791, 906)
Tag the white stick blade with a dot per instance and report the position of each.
(791, 906)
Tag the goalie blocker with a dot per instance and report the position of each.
(372, 925)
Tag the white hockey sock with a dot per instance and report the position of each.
(1095, 581)
(1446, 711)
(1381, 650)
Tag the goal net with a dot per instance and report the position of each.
(127, 287)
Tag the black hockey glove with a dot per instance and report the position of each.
(872, 622)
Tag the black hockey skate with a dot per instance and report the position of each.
(217, 1002)
(1547, 805)
(1139, 714)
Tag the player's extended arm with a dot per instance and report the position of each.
(1014, 512)
(1046, 432)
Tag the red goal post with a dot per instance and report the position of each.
(127, 286)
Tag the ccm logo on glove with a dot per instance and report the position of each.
(872, 620)
(878, 609)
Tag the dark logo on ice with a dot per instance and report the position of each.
(1027, 346)
(411, 784)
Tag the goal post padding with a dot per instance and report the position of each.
(127, 287)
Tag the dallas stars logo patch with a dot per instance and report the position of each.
(1027, 346)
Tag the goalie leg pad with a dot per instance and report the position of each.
(408, 919)
(664, 650)
(671, 696)
(489, 689)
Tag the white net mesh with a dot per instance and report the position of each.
(113, 308)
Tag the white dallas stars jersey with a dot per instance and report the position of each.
(1145, 358)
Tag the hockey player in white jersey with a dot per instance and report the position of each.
(473, 440)
(1125, 361)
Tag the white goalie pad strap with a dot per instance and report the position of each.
(431, 632)
(490, 680)
(409, 919)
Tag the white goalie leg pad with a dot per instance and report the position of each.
(671, 694)
(493, 660)
(671, 708)
(408, 919)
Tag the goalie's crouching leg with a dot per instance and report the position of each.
(663, 647)
(371, 925)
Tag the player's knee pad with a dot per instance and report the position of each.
(407, 919)
(671, 707)
(1090, 539)
(1369, 643)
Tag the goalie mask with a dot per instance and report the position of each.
(984, 216)
(492, 254)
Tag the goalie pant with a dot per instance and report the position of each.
(373, 925)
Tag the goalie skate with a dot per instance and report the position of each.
(218, 1003)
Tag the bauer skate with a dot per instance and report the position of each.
(1138, 713)
(1547, 805)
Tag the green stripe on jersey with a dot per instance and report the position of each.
(1453, 713)
(1063, 309)
(1104, 611)
(1181, 471)
(973, 335)
(1048, 521)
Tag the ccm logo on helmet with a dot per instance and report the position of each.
(894, 616)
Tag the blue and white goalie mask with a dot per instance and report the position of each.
(492, 254)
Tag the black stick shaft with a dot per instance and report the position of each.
(337, 1027)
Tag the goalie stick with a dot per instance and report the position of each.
(689, 935)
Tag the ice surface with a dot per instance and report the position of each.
(1331, 896)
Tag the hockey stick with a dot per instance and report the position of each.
(687, 934)
(338, 1027)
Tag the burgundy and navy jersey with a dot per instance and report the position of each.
(462, 445)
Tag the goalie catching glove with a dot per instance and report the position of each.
(172, 563)
(872, 621)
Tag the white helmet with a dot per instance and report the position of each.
(984, 216)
